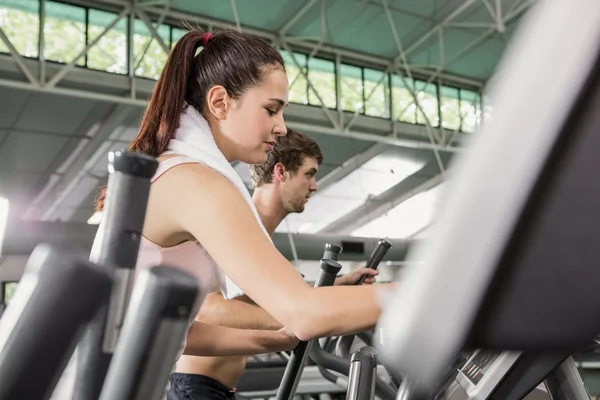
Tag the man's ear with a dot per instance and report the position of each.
(279, 172)
(218, 102)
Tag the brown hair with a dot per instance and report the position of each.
(235, 60)
(289, 150)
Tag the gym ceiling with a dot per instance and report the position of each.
(57, 122)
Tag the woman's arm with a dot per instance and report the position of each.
(217, 341)
(211, 209)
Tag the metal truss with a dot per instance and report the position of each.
(40, 76)
(403, 68)
(147, 11)
(406, 189)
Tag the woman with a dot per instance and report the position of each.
(208, 109)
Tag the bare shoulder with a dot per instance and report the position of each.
(193, 178)
(196, 191)
(183, 190)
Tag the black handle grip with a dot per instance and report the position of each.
(329, 271)
(363, 371)
(332, 251)
(57, 296)
(156, 323)
(380, 250)
(115, 248)
(117, 244)
(340, 365)
(132, 163)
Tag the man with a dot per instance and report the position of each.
(283, 185)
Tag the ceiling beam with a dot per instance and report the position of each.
(388, 139)
(423, 38)
(297, 15)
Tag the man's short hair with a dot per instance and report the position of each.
(291, 151)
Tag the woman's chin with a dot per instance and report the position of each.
(256, 158)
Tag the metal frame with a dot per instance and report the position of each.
(147, 9)
(161, 11)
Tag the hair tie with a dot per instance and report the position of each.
(205, 38)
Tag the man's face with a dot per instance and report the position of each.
(299, 185)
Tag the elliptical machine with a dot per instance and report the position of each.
(516, 230)
(127, 335)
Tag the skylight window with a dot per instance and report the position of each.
(369, 180)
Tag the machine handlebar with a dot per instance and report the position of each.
(380, 250)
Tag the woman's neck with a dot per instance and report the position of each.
(223, 144)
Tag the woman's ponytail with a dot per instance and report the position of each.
(161, 118)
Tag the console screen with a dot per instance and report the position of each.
(476, 368)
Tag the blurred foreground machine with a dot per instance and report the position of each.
(512, 260)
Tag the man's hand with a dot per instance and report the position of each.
(289, 341)
(353, 277)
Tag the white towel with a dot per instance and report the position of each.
(194, 139)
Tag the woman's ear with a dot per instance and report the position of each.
(218, 101)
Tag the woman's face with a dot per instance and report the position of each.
(252, 123)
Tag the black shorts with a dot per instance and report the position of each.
(197, 387)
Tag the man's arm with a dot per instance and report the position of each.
(240, 312)
(216, 341)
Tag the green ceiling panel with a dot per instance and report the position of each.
(481, 61)
(424, 9)
(454, 43)
(479, 14)
(266, 13)
(360, 26)
(310, 24)
(31, 6)
(215, 8)
(380, 39)
(65, 12)
(257, 14)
